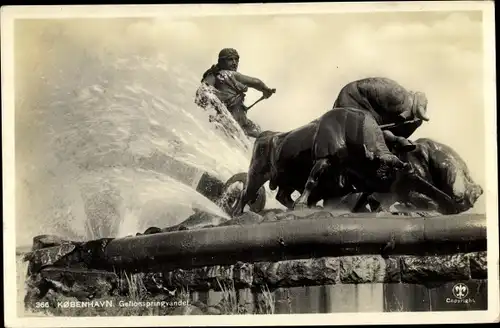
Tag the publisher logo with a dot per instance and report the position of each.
(460, 291)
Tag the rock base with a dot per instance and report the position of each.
(79, 276)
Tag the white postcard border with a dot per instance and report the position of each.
(10, 13)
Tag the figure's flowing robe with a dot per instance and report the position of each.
(230, 94)
(207, 98)
(229, 90)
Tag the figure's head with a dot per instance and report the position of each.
(420, 106)
(229, 59)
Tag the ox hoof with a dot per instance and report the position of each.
(300, 206)
(231, 192)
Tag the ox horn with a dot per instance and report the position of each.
(369, 154)
(420, 103)
(421, 114)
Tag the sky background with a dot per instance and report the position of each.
(307, 58)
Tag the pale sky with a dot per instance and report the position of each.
(306, 58)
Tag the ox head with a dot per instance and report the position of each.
(448, 173)
(472, 195)
(457, 182)
(419, 109)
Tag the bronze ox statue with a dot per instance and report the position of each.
(344, 152)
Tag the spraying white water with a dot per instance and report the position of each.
(102, 122)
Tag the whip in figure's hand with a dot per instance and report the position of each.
(268, 93)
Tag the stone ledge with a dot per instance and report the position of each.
(309, 250)
(314, 235)
(51, 251)
(318, 234)
(310, 272)
(335, 270)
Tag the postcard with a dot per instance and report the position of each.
(250, 164)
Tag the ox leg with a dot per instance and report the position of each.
(319, 167)
(284, 196)
(361, 202)
(421, 201)
(250, 192)
(375, 205)
(400, 144)
(407, 181)
(445, 202)
(314, 198)
(366, 199)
